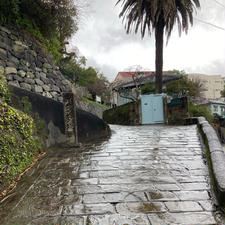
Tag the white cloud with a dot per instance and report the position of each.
(103, 40)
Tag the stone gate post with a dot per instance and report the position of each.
(70, 118)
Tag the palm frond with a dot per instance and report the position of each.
(144, 15)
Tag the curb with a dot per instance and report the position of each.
(217, 157)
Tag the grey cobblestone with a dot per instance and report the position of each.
(145, 175)
(184, 206)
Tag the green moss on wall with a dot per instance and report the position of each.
(124, 115)
(119, 115)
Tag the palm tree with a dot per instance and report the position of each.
(159, 16)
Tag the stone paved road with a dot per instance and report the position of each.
(145, 175)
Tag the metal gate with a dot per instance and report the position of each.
(152, 109)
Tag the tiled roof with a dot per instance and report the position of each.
(148, 79)
(129, 74)
(146, 73)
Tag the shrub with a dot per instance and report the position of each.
(148, 89)
(21, 136)
(9, 11)
(54, 46)
(18, 147)
(196, 111)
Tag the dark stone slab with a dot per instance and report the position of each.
(5, 46)
(29, 81)
(9, 77)
(38, 63)
(39, 82)
(16, 77)
(3, 54)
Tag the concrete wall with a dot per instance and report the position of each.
(52, 112)
(49, 110)
(216, 157)
(90, 126)
(92, 108)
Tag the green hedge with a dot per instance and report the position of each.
(119, 115)
(196, 111)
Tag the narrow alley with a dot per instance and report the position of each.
(141, 175)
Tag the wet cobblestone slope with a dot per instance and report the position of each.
(144, 175)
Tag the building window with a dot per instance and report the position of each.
(222, 110)
(215, 108)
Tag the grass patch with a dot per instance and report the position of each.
(94, 102)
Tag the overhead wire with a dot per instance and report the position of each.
(211, 24)
(219, 3)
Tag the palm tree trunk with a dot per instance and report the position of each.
(159, 32)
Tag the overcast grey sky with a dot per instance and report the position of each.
(102, 39)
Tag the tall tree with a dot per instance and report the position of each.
(158, 16)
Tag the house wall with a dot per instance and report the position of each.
(121, 79)
(212, 85)
(123, 100)
(118, 99)
(218, 109)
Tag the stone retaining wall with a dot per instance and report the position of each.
(27, 65)
(127, 114)
(92, 108)
(89, 126)
(217, 157)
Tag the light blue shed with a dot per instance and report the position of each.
(152, 109)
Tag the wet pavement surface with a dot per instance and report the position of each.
(142, 175)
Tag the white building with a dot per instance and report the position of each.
(212, 85)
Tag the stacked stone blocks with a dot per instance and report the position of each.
(27, 65)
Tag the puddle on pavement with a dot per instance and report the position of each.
(155, 195)
(148, 207)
